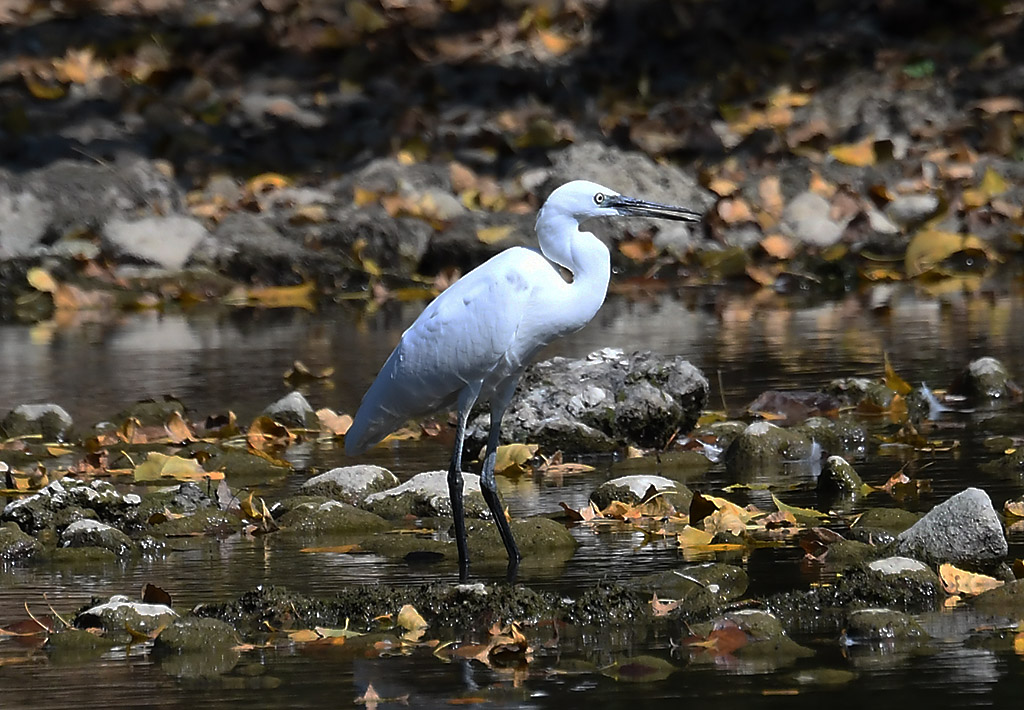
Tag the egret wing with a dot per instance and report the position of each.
(465, 335)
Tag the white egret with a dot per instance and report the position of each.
(475, 339)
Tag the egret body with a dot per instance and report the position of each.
(475, 339)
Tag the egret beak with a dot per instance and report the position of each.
(632, 207)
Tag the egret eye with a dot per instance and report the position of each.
(598, 198)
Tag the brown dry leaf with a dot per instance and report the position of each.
(860, 154)
(410, 619)
(266, 182)
(332, 422)
(1000, 104)
(513, 459)
(80, 66)
(265, 433)
(724, 639)
(770, 192)
(178, 430)
(462, 177)
(1014, 508)
(725, 519)
(555, 43)
(663, 607)
(778, 246)
(734, 210)
(722, 187)
(334, 549)
(958, 581)
(300, 296)
(299, 373)
(638, 250)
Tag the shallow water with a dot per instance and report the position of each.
(215, 360)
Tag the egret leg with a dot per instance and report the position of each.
(455, 487)
(488, 485)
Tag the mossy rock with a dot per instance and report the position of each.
(331, 517)
(15, 544)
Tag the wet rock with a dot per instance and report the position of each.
(50, 421)
(985, 379)
(850, 391)
(350, 484)
(204, 521)
(239, 465)
(838, 477)
(764, 445)
(890, 521)
(700, 589)
(16, 545)
(92, 533)
(678, 466)
(166, 242)
(44, 508)
(75, 646)
(540, 540)
(1007, 600)
(1008, 465)
(196, 647)
(631, 489)
(807, 219)
(293, 410)
(964, 530)
(843, 434)
(331, 518)
(600, 403)
(152, 412)
(894, 581)
(912, 210)
(425, 495)
(768, 647)
(883, 625)
(844, 554)
(121, 613)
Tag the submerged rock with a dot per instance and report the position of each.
(631, 489)
(882, 625)
(330, 517)
(425, 495)
(350, 484)
(92, 533)
(964, 530)
(196, 647)
(765, 445)
(700, 588)
(766, 646)
(600, 403)
(50, 421)
(985, 379)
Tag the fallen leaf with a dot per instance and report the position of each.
(860, 154)
(158, 466)
(493, 235)
(964, 583)
(892, 379)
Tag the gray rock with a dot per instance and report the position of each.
(806, 219)
(880, 223)
(964, 530)
(243, 240)
(599, 403)
(92, 533)
(23, 221)
(350, 484)
(120, 612)
(764, 445)
(293, 410)
(16, 545)
(911, 210)
(630, 173)
(165, 241)
(44, 508)
(883, 625)
(426, 495)
(51, 421)
(631, 489)
(985, 379)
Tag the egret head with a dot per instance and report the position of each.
(582, 199)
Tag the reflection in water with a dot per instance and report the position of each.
(215, 360)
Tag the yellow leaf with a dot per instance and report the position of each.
(692, 537)
(930, 247)
(803, 515)
(893, 381)
(365, 18)
(41, 280)
(1014, 508)
(859, 154)
(513, 457)
(363, 197)
(158, 466)
(493, 235)
(266, 181)
(42, 90)
(410, 619)
(300, 296)
(993, 184)
(1018, 644)
(723, 187)
(958, 581)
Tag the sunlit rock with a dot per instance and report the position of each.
(964, 530)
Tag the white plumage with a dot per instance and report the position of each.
(474, 340)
